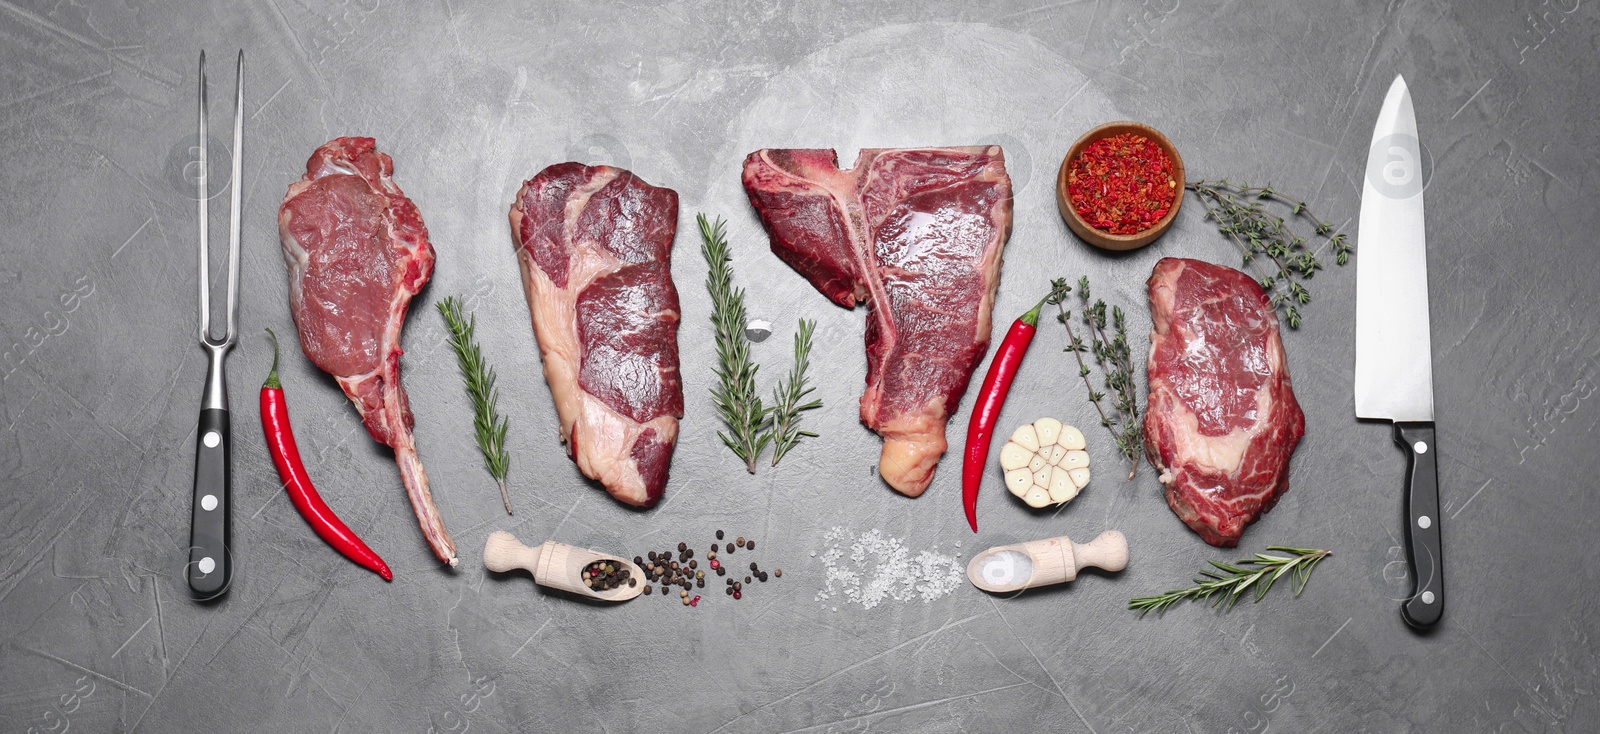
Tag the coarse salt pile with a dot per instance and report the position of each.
(871, 568)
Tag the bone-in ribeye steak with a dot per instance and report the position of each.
(595, 246)
(917, 235)
(1222, 419)
(357, 252)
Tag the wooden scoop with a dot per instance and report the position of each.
(557, 565)
(1044, 562)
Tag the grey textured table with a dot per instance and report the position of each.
(101, 375)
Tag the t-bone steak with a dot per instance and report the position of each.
(917, 235)
(1222, 419)
(357, 252)
(595, 245)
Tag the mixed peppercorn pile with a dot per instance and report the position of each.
(680, 569)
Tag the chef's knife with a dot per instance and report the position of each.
(1394, 353)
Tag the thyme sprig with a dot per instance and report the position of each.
(1240, 213)
(787, 396)
(1226, 585)
(488, 426)
(1114, 358)
(734, 394)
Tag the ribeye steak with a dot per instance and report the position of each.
(1222, 420)
(595, 246)
(917, 235)
(357, 252)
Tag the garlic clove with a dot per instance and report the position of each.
(1019, 481)
(1061, 487)
(1037, 497)
(1080, 476)
(1013, 456)
(1037, 462)
(1053, 453)
(1071, 439)
(1026, 437)
(1047, 429)
(1041, 477)
(1075, 460)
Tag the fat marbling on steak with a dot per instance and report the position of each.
(1222, 419)
(917, 235)
(595, 247)
(357, 252)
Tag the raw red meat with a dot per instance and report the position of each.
(917, 235)
(595, 245)
(357, 252)
(1222, 420)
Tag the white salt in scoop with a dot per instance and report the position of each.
(1038, 563)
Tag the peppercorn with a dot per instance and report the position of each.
(730, 548)
(777, 572)
(737, 586)
(694, 564)
(682, 547)
(647, 590)
(750, 544)
(722, 571)
(719, 535)
(753, 566)
(747, 579)
(712, 556)
(737, 594)
(739, 541)
(700, 584)
(728, 591)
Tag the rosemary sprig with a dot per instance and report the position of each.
(787, 396)
(1114, 358)
(1228, 583)
(1240, 213)
(735, 395)
(488, 426)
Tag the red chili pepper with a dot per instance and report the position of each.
(280, 443)
(986, 409)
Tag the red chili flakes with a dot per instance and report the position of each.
(1122, 184)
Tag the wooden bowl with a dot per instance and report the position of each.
(1106, 240)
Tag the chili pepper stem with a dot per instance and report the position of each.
(1031, 318)
(272, 377)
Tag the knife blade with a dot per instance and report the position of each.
(1394, 352)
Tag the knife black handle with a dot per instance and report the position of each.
(210, 566)
(1423, 546)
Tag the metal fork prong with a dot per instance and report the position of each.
(235, 185)
(200, 204)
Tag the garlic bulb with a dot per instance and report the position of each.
(1044, 462)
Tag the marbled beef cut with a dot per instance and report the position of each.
(357, 252)
(595, 246)
(1222, 419)
(917, 235)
